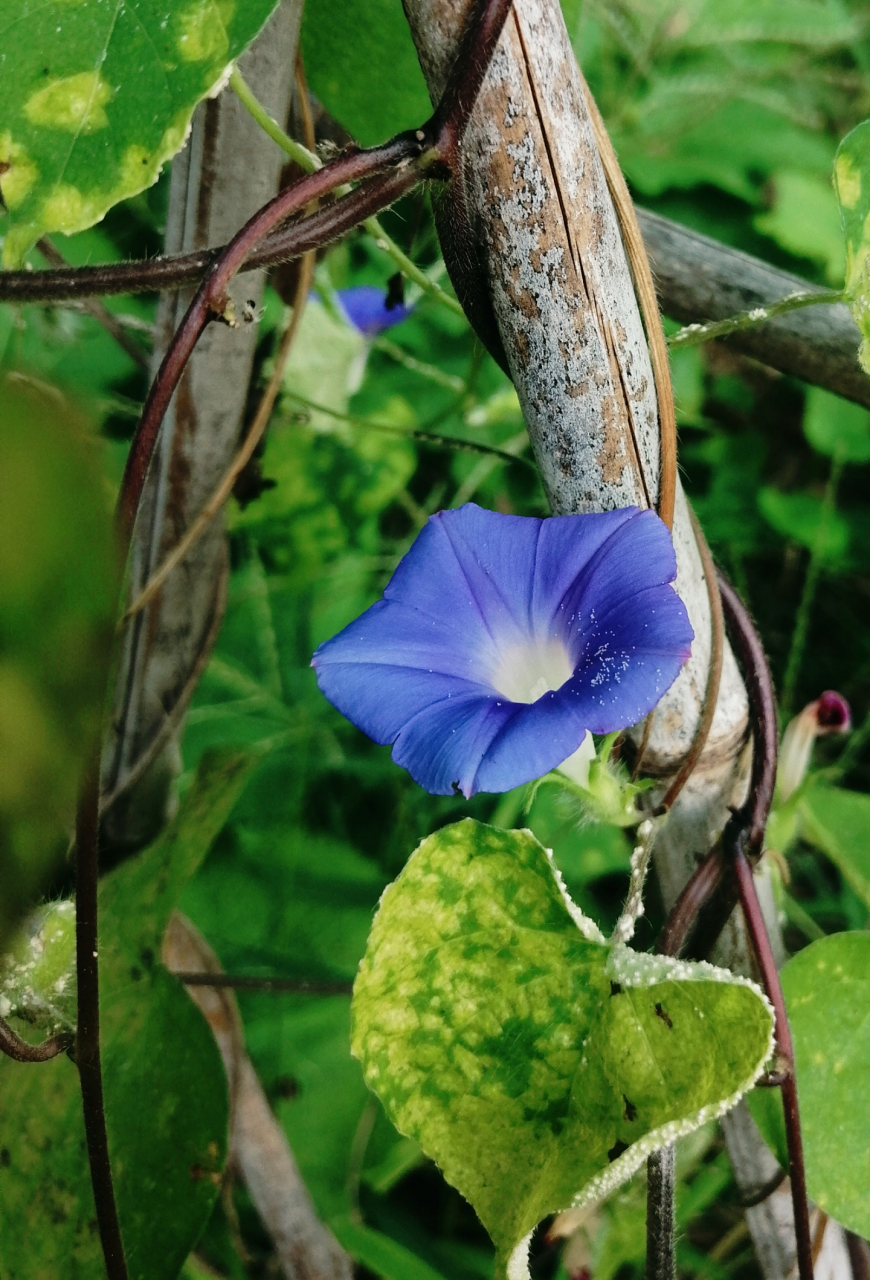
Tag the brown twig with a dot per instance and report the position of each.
(97, 310)
(87, 1048)
(210, 301)
(743, 840)
(242, 982)
(244, 455)
(13, 1046)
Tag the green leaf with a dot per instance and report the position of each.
(827, 994)
(380, 1254)
(58, 582)
(837, 427)
(852, 185)
(809, 22)
(804, 219)
(802, 518)
(535, 1062)
(281, 900)
(362, 65)
(95, 98)
(838, 823)
(165, 1085)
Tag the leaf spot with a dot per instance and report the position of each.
(75, 104)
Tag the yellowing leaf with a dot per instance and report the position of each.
(536, 1063)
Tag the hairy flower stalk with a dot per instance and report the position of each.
(502, 640)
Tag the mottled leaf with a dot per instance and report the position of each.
(852, 184)
(57, 593)
(165, 1086)
(827, 993)
(96, 95)
(535, 1062)
(838, 823)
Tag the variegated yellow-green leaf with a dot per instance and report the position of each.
(852, 184)
(95, 96)
(536, 1063)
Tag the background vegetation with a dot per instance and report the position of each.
(726, 115)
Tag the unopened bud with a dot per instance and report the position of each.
(827, 714)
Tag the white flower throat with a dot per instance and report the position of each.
(525, 672)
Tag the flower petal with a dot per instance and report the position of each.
(392, 634)
(442, 746)
(366, 308)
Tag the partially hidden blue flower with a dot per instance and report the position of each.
(501, 640)
(365, 307)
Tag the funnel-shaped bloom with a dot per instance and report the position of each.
(501, 639)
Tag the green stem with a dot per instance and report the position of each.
(308, 161)
(409, 433)
(693, 334)
(801, 919)
(448, 380)
(814, 568)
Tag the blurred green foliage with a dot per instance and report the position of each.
(726, 116)
(165, 1086)
(57, 599)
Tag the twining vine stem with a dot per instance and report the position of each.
(735, 855)
(386, 172)
(87, 1047)
(743, 841)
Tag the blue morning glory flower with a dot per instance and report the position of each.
(366, 308)
(501, 640)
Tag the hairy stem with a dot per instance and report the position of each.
(88, 1031)
(209, 302)
(255, 434)
(428, 437)
(694, 334)
(661, 1196)
(241, 982)
(307, 160)
(743, 840)
(794, 1140)
(12, 1045)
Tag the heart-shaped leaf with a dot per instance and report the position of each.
(827, 993)
(838, 822)
(536, 1063)
(95, 97)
